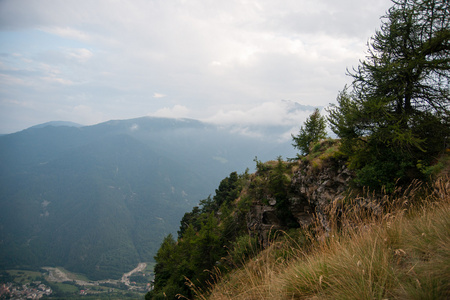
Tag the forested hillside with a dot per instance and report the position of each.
(389, 164)
(99, 199)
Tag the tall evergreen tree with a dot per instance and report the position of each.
(396, 112)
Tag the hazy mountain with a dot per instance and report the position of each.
(98, 199)
(57, 123)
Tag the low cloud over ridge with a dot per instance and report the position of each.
(198, 59)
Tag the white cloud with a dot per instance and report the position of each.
(81, 55)
(158, 95)
(177, 111)
(84, 114)
(279, 113)
(68, 32)
(134, 127)
(11, 80)
(226, 60)
(58, 80)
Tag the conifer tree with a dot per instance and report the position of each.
(313, 131)
(396, 112)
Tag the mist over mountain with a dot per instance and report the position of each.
(57, 124)
(99, 199)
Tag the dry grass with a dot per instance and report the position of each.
(402, 252)
(322, 152)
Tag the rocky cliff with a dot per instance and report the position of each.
(315, 183)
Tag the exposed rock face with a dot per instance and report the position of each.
(320, 186)
(313, 188)
(261, 219)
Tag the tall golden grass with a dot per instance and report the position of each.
(396, 247)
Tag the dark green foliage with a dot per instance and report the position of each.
(431, 171)
(227, 191)
(189, 257)
(139, 278)
(209, 248)
(273, 181)
(260, 166)
(386, 168)
(203, 238)
(191, 219)
(279, 186)
(245, 204)
(244, 248)
(396, 113)
(313, 131)
(278, 181)
(165, 260)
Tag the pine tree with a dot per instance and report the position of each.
(313, 131)
(396, 112)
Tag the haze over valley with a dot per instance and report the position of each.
(99, 199)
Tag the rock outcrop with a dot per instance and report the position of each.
(314, 186)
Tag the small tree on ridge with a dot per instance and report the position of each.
(313, 131)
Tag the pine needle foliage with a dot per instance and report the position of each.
(395, 115)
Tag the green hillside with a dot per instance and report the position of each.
(248, 240)
(99, 199)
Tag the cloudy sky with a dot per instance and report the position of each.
(243, 61)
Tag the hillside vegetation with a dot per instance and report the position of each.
(400, 254)
(364, 216)
(374, 245)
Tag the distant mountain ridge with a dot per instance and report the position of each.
(99, 199)
(57, 123)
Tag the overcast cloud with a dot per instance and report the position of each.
(221, 61)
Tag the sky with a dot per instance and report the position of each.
(250, 62)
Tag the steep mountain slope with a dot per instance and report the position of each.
(260, 224)
(98, 199)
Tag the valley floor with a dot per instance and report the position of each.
(56, 282)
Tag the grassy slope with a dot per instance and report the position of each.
(402, 254)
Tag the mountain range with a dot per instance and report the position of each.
(99, 199)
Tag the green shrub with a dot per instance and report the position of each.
(244, 248)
